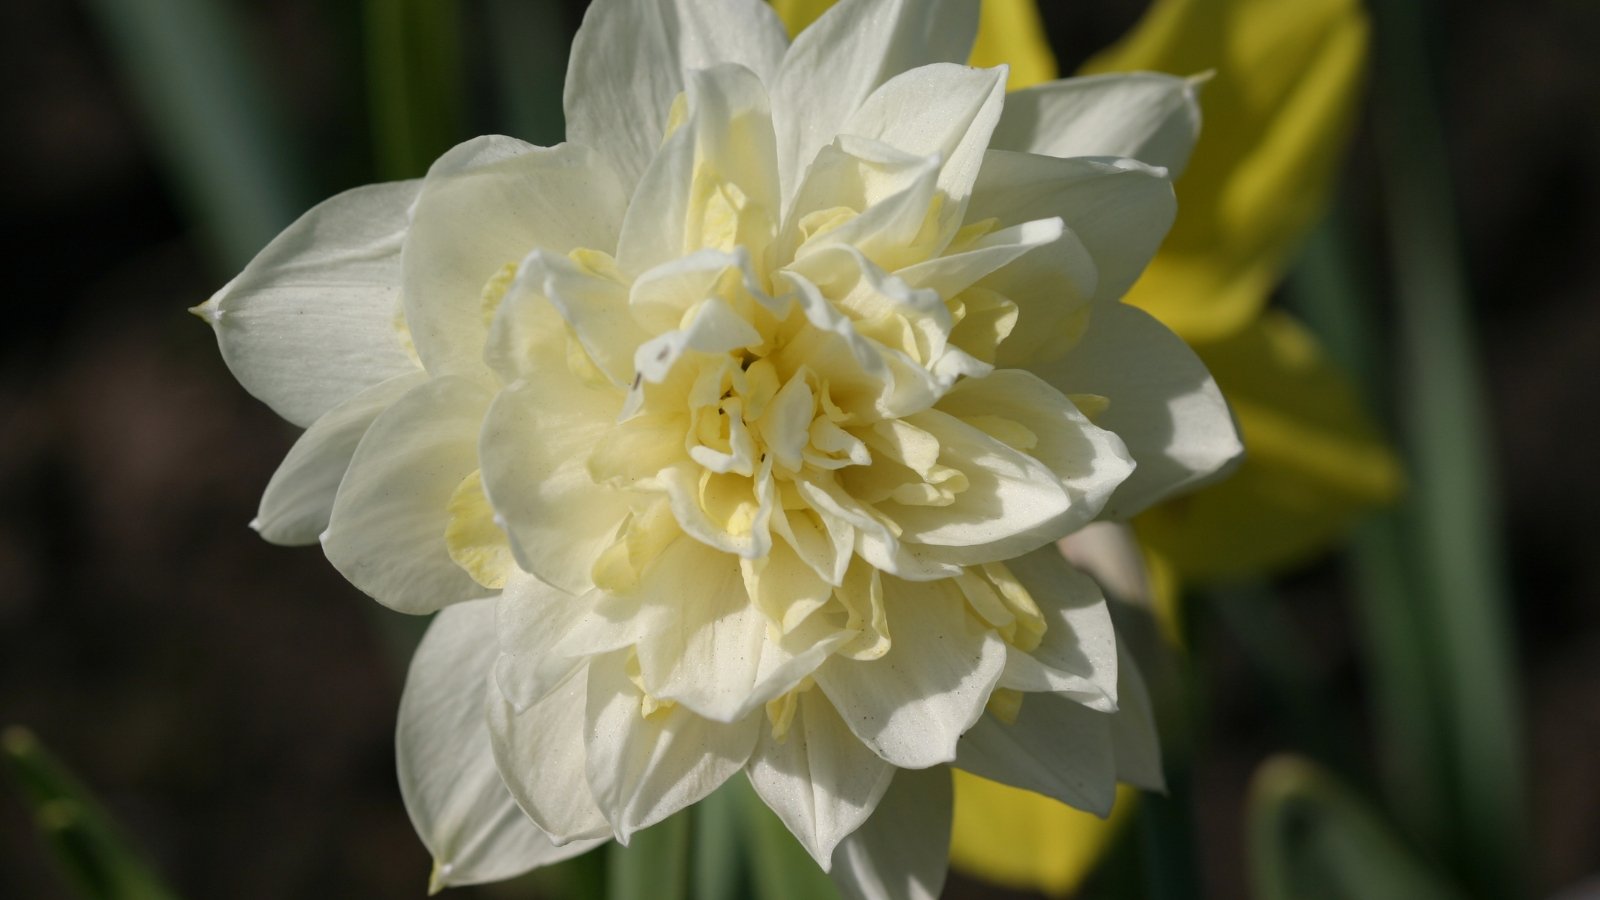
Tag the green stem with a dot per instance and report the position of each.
(1458, 545)
(414, 82)
(654, 865)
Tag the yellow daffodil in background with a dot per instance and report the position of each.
(1277, 109)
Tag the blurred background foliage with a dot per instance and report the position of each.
(231, 703)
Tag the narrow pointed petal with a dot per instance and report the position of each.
(912, 705)
(1167, 411)
(387, 530)
(448, 779)
(819, 778)
(299, 499)
(1147, 116)
(846, 54)
(643, 768)
(310, 322)
(903, 851)
(629, 61)
(1056, 747)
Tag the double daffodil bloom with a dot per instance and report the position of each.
(734, 437)
(1283, 87)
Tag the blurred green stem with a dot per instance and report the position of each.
(89, 847)
(1458, 545)
(654, 865)
(414, 83)
(203, 95)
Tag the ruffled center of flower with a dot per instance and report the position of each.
(811, 396)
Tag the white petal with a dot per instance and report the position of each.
(1147, 116)
(1078, 654)
(628, 63)
(1109, 553)
(386, 533)
(1090, 461)
(593, 306)
(952, 274)
(716, 657)
(299, 498)
(943, 110)
(820, 779)
(1056, 747)
(486, 204)
(903, 851)
(1013, 503)
(537, 437)
(532, 618)
(1133, 729)
(1167, 409)
(842, 57)
(310, 322)
(1120, 209)
(448, 779)
(912, 704)
(642, 769)
(542, 756)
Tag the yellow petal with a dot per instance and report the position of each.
(1277, 112)
(1009, 31)
(1314, 460)
(1019, 839)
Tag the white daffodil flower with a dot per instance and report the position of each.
(736, 433)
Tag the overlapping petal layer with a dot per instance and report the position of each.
(757, 410)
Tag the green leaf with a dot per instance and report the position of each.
(1457, 546)
(203, 97)
(91, 851)
(719, 844)
(654, 865)
(1310, 838)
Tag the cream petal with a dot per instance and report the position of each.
(1133, 729)
(726, 140)
(630, 59)
(1090, 461)
(903, 850)
(820, 780)
(1077, 655)
(1012, 504)
(595, 307)
(299, 498)
(484, 205)
(716, 658)
(386, 531)
(1056, 747)
(536, 439)
(532, 620)
(1167, 410)
(310, 322)
(1120, 209)
(641, 768)
(837, 62)
(912, 705)
(542, 757)
(941, 110)
(1147, 116)
(448, 778)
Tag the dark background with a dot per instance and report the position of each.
(233, 702)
